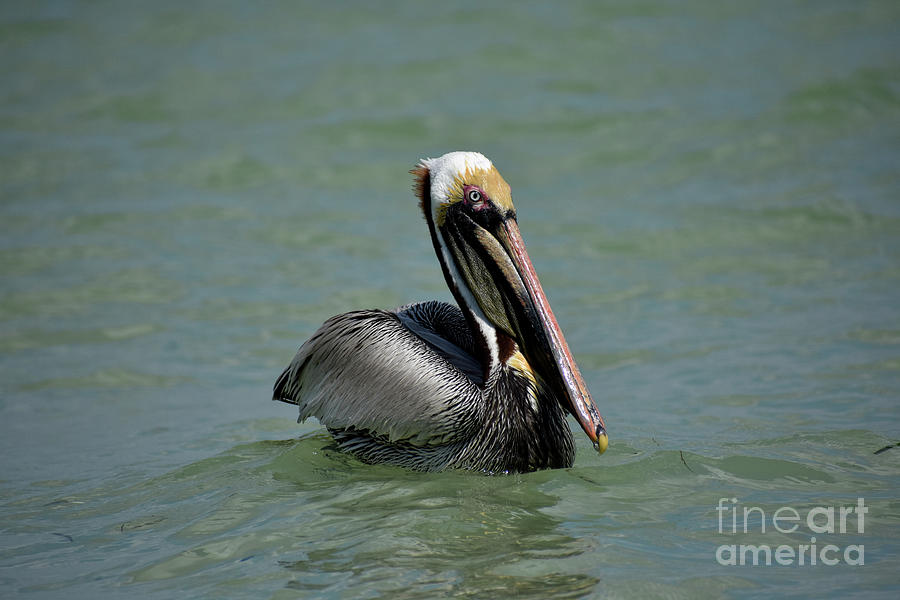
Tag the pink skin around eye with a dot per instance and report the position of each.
(482, 203)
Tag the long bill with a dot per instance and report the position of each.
(487, 265)
(570, 381)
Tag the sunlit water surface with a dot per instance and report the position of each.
(709, 193)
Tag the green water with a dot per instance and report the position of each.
(710, 192)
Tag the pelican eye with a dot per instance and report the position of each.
(474, 197)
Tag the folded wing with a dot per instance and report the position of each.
(404, 378)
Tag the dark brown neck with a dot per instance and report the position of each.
(489, 360)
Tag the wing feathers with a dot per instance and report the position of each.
(369, 371)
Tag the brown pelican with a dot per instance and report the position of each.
(430, 386)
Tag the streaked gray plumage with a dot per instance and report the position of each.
(405, 388)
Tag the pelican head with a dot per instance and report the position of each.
(472, 220)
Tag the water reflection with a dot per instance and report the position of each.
(335, 525)
(473, 534)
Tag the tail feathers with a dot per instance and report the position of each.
(282, 388)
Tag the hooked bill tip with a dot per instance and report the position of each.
(602, 442)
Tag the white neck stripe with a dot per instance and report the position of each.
(488, 332)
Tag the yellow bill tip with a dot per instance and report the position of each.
(602, 442)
